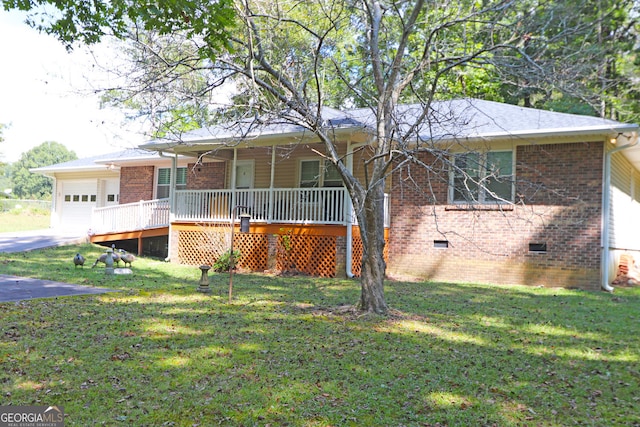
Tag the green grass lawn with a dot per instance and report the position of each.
(23, 220)
(290, 351)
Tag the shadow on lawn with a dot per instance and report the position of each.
(290, 351)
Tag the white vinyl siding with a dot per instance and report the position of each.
(625, 204)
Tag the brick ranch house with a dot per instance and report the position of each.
(547, 199)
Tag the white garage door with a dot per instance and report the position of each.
(78, 200)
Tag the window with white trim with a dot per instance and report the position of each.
(482, 177)
(164, 181)
(310, 176)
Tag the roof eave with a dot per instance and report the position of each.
(283, 138)
(596, 131)
(51, 172)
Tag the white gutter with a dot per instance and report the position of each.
(606, 211)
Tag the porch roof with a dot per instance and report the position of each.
(255, 131)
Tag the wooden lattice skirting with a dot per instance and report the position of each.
(357, 252)
(313, 254)
(195, 248)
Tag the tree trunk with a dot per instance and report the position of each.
(371, 220)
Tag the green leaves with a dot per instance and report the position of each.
(87, 22)
(32, 185)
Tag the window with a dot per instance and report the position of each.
(310, 175)
(482, 177)
(332, 177)
(164, 181)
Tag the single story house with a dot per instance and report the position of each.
(520, 196)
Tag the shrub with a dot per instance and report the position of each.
(223, 262)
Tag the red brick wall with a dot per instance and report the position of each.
(558, 200)
(208, 176)
(136, 183)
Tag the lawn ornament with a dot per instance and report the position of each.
(126, 257)
(78, 260)
(103, 258)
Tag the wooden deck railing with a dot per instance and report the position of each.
(131, 216)
(277, 205)
(285, 205)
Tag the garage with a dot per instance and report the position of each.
(77, 200)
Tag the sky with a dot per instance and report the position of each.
(45, 96)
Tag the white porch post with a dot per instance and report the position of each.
(233, 179)
(172, 197)
(271, 182)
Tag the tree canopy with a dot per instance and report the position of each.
(77, 21)
(31, 185)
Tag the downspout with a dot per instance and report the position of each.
(606, 212)
(172, 197)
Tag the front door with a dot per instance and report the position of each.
(244, 174)
(244, 181)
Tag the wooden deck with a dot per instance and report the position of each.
(138, 235)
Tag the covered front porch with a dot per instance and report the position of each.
(302, 230)
(301, 215)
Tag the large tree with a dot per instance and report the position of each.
(27, 184)
(289, 59)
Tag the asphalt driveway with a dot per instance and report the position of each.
(14, 288)
(22, 241)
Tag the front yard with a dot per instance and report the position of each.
(289, 351)
(24, 219)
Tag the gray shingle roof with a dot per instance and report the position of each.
(455, 119)
(97, 162)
